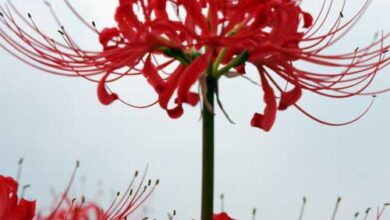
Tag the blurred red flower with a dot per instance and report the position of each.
(174, 44)
(11, 207)
(222, 216)
(122, 207)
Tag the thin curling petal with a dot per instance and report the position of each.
(106, 35)
(150, 73)
(176, 112)
(266, 120)
(289, 98)
(307, 19)
(189, 77)
(104, 96)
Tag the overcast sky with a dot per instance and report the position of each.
(53, 121)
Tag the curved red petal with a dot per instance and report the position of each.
(151, 74)
(106, 35)
(103, 95)
(189, 77)
(289, 98)
(266, 120)
(176, 112)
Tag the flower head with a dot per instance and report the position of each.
(175, 44)
(122, 207)
(11, 207)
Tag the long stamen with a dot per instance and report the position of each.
(19, 172)
(301, 213)
(336, 208)
(65, 193)
(366, 213)
(254, 213)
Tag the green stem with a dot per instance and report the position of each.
(208, 153)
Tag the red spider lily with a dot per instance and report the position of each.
(208, 38)
(123, 206)
(11, 207)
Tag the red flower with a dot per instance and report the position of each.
(122, 207)
(209, 38)
(222, 216)
(11, 208)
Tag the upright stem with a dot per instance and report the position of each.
(208, 152)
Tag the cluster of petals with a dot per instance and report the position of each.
(175, 44)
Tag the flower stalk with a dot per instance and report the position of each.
(208, 151)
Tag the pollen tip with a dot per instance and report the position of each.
(387, 204)
(149, 182)
(304, 200)
(1, 14)
(29, 15)
(93, 23)
(62, 33)
(21, 160)
(254, 210)
(339, 199)
(374, 96)
(157, 182)
(73, 200)
(341, 14)
(136, 173)
(174, 212)
(118, 193)
(77, 164)
(368, 210)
